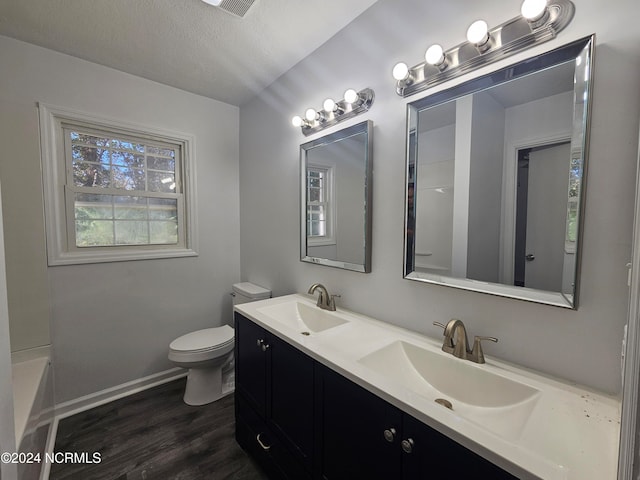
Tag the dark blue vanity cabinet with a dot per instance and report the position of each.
(302, 420)
(274, 402)
(364, 436)
(352, 425)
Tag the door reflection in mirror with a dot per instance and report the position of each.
(541, 217)
(494, 179)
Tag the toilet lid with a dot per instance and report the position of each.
(207, 339)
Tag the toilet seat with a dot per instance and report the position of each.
(202, 345)
(203, 340)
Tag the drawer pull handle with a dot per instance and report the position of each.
(264, 447)
(407, 445)
(390, 435)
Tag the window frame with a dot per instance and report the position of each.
(58, 194)
(329, 204)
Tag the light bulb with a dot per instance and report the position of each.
(297, 121)
(434, 55)
(310, 114)
(329, 105)
(478, 32)
(533, 10)
(400, 71)
(351, 96)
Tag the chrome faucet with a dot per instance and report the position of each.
(456, 343)
(325, 301)
(455, 339)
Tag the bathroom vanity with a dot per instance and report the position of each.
(339, 395)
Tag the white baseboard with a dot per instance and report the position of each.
(48, 449)
(71, 407)
(92, 400)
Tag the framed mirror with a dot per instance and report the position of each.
(495, 178)
(335, 198)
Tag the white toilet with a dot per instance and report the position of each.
(207, 352)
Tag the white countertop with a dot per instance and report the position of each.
(572, 432)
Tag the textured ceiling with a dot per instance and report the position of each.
(184, 43)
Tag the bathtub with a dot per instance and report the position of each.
(32, 404)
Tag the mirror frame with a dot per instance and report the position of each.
(366, 128)
(583, 48)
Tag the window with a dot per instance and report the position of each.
(573, 203)
(320, 229)
(114, 191)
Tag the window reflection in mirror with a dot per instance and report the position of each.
(494, 179)
(336, 199)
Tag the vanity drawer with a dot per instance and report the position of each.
(257, 439)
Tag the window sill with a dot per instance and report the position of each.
(78, 258)
(320, 243)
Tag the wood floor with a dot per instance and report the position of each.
(155, 435)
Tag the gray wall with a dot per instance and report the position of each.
(26, 261)
(485, 188)
(435, 170)
(112, 323)
(7, 423)
(582, 346)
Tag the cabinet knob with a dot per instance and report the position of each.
(265, 346)
(407, 445)
(390, 435)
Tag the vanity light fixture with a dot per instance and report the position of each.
(311, 115)
(401, 72)
(330, 106)
(478, 35)
(353, 103)
(536, 12)
(350, 96)
(540, 21)
(435, 56)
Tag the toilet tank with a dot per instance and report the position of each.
(245, 292)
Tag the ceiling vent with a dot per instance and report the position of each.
(236, 7)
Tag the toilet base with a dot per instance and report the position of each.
(204, 385)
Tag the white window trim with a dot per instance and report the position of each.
(330, 238)
(54, 180)
(569, 245)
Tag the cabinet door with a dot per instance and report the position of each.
(431, 455)
(353, 424)
(251, 363)
(290, 403)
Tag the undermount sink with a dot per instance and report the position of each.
(303, 317)
(498, 403)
